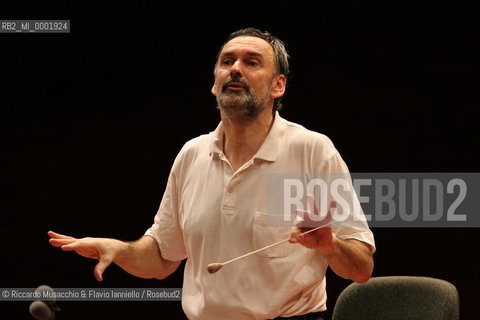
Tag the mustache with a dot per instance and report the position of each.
(245, 85)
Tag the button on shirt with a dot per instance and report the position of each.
(212, 213)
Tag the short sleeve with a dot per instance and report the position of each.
(349, 219)
(166, 228)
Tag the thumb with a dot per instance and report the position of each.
(328, 216)
(100, 268)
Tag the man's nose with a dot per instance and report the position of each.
(236, 69)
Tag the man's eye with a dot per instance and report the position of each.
(227, 62)
(252, 63)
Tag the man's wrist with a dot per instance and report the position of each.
(331, 250)
(123, 249)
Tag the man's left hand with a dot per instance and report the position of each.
(322, 239)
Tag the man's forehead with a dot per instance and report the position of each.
(252, 45)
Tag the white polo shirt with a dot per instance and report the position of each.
(211, 213)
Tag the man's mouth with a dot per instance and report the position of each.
(234, 86)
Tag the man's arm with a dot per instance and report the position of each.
(350, 259)
(141, 258)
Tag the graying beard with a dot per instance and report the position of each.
(241, 111)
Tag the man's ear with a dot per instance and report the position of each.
(279, 85)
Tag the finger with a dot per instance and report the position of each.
(69, 247)
(100, 268)
(312, 204)
(60, 242)
(294, 235)
(307, 219)
(331, 210)
(75, 245)
(332, 207)
(297, 236)
(84, 251)
(58, 235)
(317, 219)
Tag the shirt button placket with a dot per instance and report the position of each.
(228, 205)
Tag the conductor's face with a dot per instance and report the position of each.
(245, 81)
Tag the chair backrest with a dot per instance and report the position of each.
(398, 298)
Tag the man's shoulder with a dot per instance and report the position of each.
(195, 149)
(315, 149)
(297, 134)
(196, 144)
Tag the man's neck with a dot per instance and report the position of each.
(243, 140)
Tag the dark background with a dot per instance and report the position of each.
(91, 121)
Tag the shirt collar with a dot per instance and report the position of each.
(270, 147)
(216, 143)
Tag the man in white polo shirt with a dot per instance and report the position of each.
(218, 201)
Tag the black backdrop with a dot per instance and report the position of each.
(92, 120)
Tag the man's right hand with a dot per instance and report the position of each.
(141, 258)
(103, 249)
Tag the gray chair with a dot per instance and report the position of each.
(398, 298)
